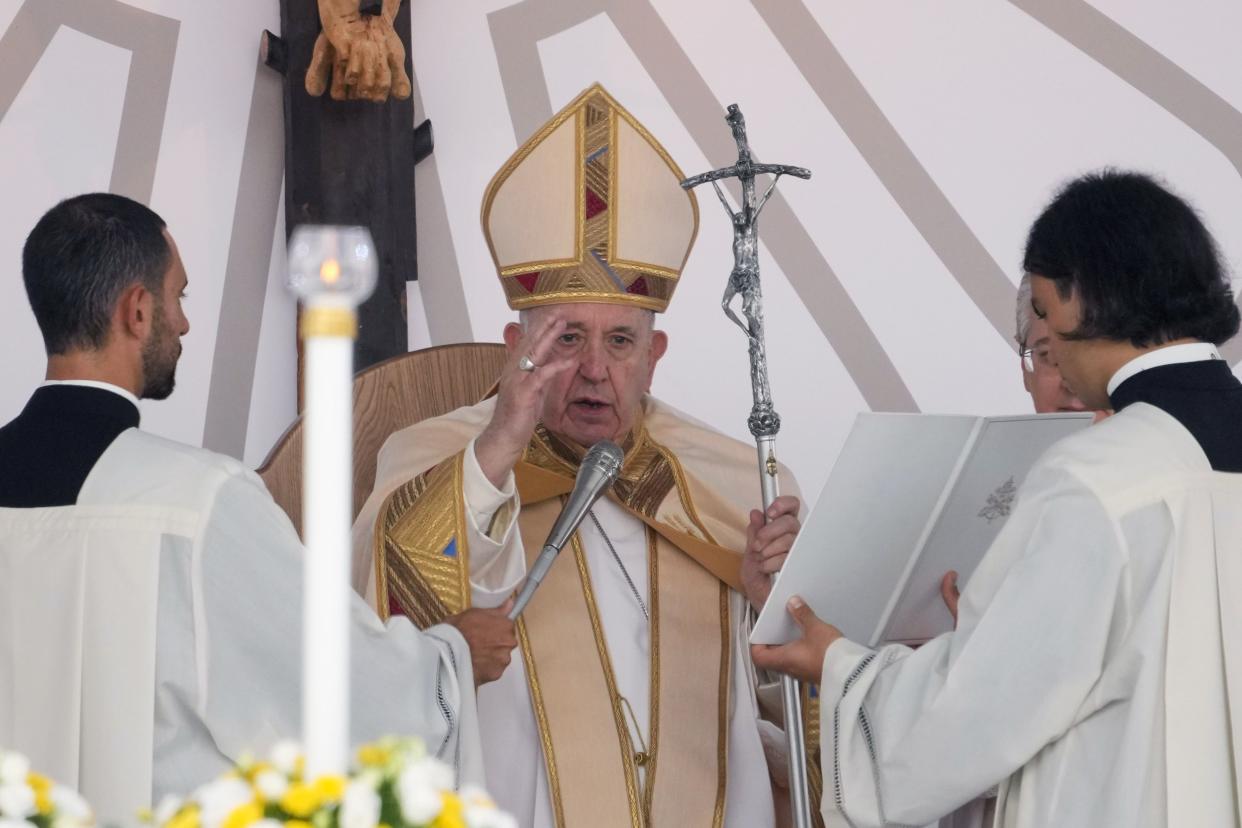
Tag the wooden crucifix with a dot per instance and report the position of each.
(350, 154)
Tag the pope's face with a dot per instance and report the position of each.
(614, 351)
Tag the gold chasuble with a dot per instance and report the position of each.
(695, 534)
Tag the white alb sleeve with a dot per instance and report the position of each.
(497, 558)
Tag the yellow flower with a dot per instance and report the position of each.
(296, 823)
(244, 815)
(185, 818)
(38, 782)
(374, 756)
(300, 800)
(451, 813)
(330, 788)
(42, 788)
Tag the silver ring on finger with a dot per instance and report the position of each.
(525, 364)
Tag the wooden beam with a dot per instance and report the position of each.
(350, 162)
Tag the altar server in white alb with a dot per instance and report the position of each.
(1095, 670)
(151, 591)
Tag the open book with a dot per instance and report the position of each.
(910, 497)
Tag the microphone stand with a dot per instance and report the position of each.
(764, 422)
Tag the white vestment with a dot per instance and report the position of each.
(1094, 671)
(151, 634)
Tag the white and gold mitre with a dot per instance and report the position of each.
(590, 209)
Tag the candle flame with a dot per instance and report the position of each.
(330, 272)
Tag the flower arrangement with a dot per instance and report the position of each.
(394, 784)
(30, 800)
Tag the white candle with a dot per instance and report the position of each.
(327, 476)
(332, 269)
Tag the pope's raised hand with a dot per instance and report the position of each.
(519, 401)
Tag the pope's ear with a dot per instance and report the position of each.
(512, 336)
(135, 311)
(659, 344)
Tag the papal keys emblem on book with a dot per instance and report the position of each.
(1000, 502)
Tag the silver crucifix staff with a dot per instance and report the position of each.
(764, 422)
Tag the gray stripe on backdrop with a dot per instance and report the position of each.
(152, 39)
(1151, 73)
(893, 162)
(516, 31)
(247, 270)
(439, 275)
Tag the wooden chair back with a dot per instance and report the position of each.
(388, 397)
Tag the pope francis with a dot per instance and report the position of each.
(632, 701)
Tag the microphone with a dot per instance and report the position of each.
(598, 470)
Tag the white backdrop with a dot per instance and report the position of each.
(935, 133)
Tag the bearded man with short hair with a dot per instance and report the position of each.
(152, 591)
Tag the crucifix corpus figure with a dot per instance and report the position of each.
(744, 279)
(359, 55)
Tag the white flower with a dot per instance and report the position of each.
(486, 817)
(419, 788)
(285, 756)
(70, 804)
(268, 823)
(360, 807)
(430, 772)
(15, 823)
(420, 803)
(218, 799)
(17, 801)
(271, 785)
(167, 809)
(14, 768)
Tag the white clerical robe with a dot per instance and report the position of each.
(1094, 672)
(151, 634)
(513, 758)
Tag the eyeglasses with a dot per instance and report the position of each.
(1037, 359)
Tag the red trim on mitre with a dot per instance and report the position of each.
(639, 287)
(527, 280)
(594, 204)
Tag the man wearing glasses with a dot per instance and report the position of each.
(1040, 375)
